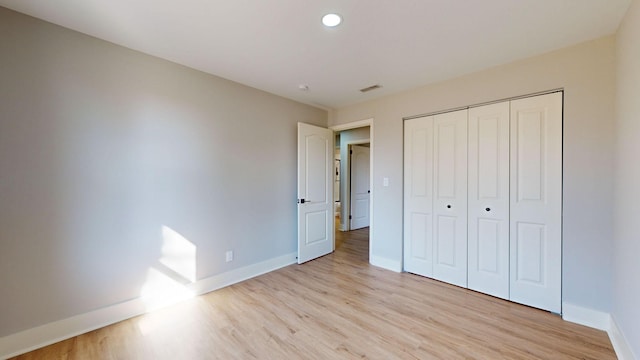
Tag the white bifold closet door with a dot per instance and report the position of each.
(536, 201)
(488, 235)
(418, 196)
(435, 228)
(450, 197)
(483, 199)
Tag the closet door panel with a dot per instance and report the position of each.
(418, 196)
(450, 197)
(536, 201)
(488, 231)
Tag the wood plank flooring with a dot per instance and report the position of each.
(339, 307)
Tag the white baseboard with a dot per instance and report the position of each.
(619, 342)
(587, 317)
(47, 334)
(385, 263)
(602, 321)
(244, 273)
(34, 338)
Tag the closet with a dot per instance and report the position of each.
(483, 199)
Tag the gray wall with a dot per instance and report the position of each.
(626, 256)
(101, 146)
(587, 73)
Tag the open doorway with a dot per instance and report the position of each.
(354, 199)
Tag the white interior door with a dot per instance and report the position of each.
(450, 197)
(360, 191)
(315, 192)
(418, 196)
(488, 233)
(536, 201)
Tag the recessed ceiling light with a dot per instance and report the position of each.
(331, 20)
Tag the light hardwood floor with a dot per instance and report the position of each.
(339, 307)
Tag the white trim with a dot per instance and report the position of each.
(620, 344)
(244, 273)
(584, 316)
(385, 263)
(484, 103)
(352, 125)
(602, 321)
(34, 338)
(358, 142)
(371, 183)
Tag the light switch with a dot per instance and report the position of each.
(385, 182)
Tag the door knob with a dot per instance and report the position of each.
(487, 209)
(448, 206)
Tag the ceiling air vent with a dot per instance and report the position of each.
(369, 88)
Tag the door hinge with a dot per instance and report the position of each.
(351, 152)
(349, 217)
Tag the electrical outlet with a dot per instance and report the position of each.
(229, 256)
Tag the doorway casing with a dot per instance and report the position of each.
(354, 125)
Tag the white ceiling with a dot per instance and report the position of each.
(276, 45)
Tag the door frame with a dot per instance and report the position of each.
(354, 125)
